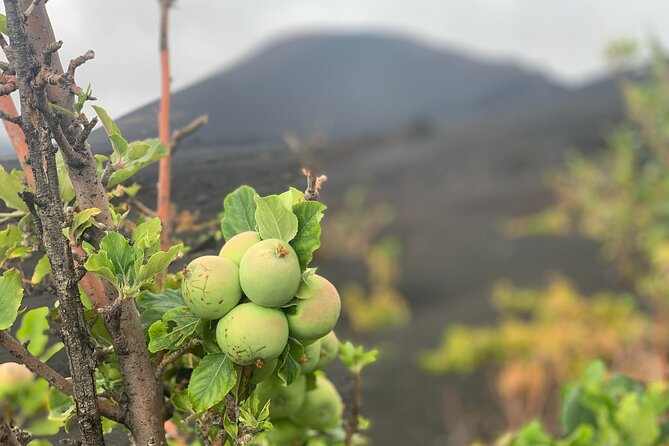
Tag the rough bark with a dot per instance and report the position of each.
(49, 210)
(143, 392)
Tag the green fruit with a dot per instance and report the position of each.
(235, 248)
(260, 374)
(317, 442)
(316, 316)
(329, 349)
(322, 406)
(312, 354)
(249, 333)
(285, 433)
(211, 286)
(269, 273)
(284, 400)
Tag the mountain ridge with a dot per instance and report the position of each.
(344, 84)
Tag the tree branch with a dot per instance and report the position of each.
(167, 360)
(55, 379)
(314, 185)
(185, 131)
(50, 210)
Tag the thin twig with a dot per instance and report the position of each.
(352, 424)
(79, 61)
(167, 360)
(106, 174)
(314, 185)
(48, 52)
(13, 119)
(185, 131)
(143, 208)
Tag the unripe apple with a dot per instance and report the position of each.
(322, 406)
(284, 400)
(14, 377)
(312, 354)
(260, 374)
(316, 316)
(329, 349)
(211, 286)
(249, 333)
(235, 248)
(284, 433)
(269, 273)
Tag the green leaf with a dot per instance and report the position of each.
(156, 305)
(305, 291)
(65, 186)
(83, 220)
(34, 324)
(140, 154)
(11, 294)
(119, 144)
(308, 237)
(10, 185)
(239, 209)
(11, 244)
(157, 263)
(291, 197)
(211, 380)
(274, 220)
(173, 330)
(289, 367)
(355, 358)
(62, 110)
(3, 24)
(82, 98)
(146, 236)
(638, 423)
(42, 269)
(230, 427)
(61, 407)
(100, 264)
(120, 253)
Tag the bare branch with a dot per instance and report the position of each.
(167, 360)
(188, 130)
(74, 158)
(6, 68)
(82, 136)
(13, 119)
(106, 174)
(79, 61)
(31, 201)
(143, 208)
(50, 50)
(29, 10)
(7, 88)
(314, 185)
(55, 379)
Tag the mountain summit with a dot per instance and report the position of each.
(345, 85)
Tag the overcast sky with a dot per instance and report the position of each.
(564, 38)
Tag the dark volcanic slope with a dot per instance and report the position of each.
(345, 85)
(451, 188)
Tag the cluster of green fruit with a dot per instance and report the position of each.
(280, 303)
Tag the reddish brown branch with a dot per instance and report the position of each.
(165, 166)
